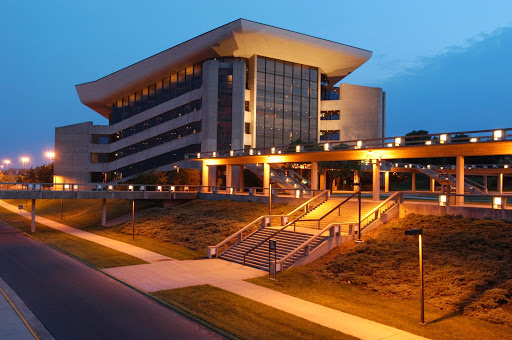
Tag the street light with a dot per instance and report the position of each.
(50, 155)
(24, 161)
(419, 232)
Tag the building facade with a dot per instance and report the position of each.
(242, 85)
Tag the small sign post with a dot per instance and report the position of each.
(272, 245)
(20, 206)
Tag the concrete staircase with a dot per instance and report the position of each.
(349, 213)
(443, 177)
(287, 241)
(285, 179)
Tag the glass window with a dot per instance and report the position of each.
(305, 72)
(270, 66)
(261, 64)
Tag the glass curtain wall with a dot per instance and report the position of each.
(225, 108)
(286, 103)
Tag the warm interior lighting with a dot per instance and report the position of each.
(497, 203)
(443, 200)
(297, 148)
(473, 140)
(326, 147)
(398, 141)
(498, 134)
(159, 188)
(231, 153)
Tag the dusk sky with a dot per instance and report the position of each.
(445, 65)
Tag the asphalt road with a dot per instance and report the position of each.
(74, 301)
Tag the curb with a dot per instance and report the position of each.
(163, 303)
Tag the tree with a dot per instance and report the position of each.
(186, 176)
(411, 138)
(149, 177)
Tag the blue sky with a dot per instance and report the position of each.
(444, 64)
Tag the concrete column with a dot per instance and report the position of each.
(314, 175)
(103, 212)
(413, 185)
(432, 185)
(205, 176)
(386, 181)
(459, 185)
(229, 175)
(212, 175)
(33, 225)
(323, 176)
(485, 184)
(376, 180)
(266, 177)
(500, 183)
(242, 182)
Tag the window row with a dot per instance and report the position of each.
(330, 115)
(149, 143)
(330, 135)
(286, 68)
(168, 88)
(286, 85)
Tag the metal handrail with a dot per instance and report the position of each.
(395, 196)
(325, 192)
(330, 211)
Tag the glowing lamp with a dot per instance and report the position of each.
(497, 202)
(172, 188)
(359, 144)
(473, 140)
(231, 153)
(251, 152)
(198, 155)
(110, 187)
(428, 166)
(159, 188)
(297, 193)
(390, 145)
(214, 154)
(75, 187)
(130, 188)
(66, 186)
(505, 166)
(497, 134)
(298, 148)
(327, 147)
(231, 191)
(443, 200)
(444, 138)
(399, 141)
(429, 142)
(259, 152)
(273, 150)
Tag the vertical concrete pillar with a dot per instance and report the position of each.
(386, 181)
(205, 176)
(266, 177)
(33, 224)
(356, 180)
(459, 185)
(413, 185)
(323, 183)
(103, 212)
(314, 175)
(432, 185)
(500, 183)
(485, 184)
(212, 175)
(376, 180)
(229, 176)
(242, 182)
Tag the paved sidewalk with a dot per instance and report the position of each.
(11, 326)
(135, 251)
(164, 273)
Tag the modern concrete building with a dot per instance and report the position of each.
(242, 85)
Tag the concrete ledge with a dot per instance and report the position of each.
(466, 211)
(251, 198)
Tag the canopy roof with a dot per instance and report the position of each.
(240, 38)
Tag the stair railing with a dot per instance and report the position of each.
(319, 220)
(307, 206)
(334, 230)
(376, 213)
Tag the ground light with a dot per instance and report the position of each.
(419, 232)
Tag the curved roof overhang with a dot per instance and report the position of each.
(240, 38)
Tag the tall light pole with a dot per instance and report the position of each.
(24, 160)
(419, 232)
(50, 155)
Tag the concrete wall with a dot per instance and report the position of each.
(471, 211)
(72, 156)
(362, 112)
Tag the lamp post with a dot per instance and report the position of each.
(50, 155)
(419, 232)
(24, 161)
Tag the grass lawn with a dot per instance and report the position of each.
(93, 253)
(242, 317)
(468, 277)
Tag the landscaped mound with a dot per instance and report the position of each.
(467, 264)
(199, 223)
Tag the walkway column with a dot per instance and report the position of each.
(485, 184)
(413, 185)
(386, 181)
(33, 225)
(241, 183)
(266, 177)
(376, 179)
(229, 176)
(212, 176)
(459, 185)
(356, 180)
(205, 176)
(314, 175)
(103, 212)
(500, 183)
(323, 176)
(432, 185)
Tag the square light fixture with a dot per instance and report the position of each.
(130, 188)
(159, 188)
(497, 134)
(173, 188)
(399, 141)
(359, 144)
(298, 148)
(443, 200)
(327, 147)
(497, 203)
(214, 154)
(231, 153)
(390, 145)
(273, 150)
(445, 138)
(429, 142)
(297, 193)
(473, 139)
(251, 152)
(198, 155)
